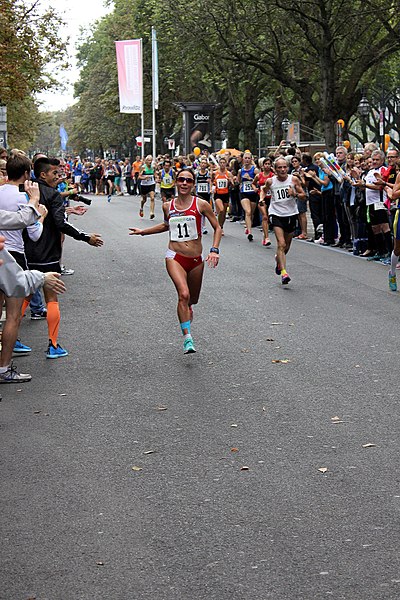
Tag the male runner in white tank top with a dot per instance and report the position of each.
(284, 190)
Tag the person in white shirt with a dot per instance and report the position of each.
(284, 189)
(11, 199)
(376, 201)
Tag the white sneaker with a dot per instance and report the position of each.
(12, 376)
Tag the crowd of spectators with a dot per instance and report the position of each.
(343, 214)
(34, 208)
(358, 214)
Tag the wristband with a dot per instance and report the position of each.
(213, 249)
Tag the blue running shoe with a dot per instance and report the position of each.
(392, 282)
(188, 347)
(20, 348)
(53, 352)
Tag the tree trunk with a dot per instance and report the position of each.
(233, 125)
(308, 118)
(327, 65)
(330, 134)
(249, 120)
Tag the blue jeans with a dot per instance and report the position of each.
(36, 304)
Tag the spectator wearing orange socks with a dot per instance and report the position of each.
(45, 254)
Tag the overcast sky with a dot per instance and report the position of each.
(76, 14)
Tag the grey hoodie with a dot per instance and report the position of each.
(14, 281)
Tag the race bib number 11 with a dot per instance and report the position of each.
(183, 229)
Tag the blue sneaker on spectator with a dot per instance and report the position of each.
(55, 352)
(20, 348)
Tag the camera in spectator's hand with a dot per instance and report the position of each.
(79, 198)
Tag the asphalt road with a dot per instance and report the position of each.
(77, 523)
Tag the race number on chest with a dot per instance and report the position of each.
(222, 184)
(202, 188)
(183, 229)
(247, 187)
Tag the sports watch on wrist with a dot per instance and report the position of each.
(213, 249)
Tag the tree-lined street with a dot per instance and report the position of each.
(263, 466)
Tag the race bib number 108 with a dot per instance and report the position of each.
(183, 229)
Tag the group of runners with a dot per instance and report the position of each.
(196, 189)
(184, 214)
(201, 191)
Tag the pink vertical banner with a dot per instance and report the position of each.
(130, 75)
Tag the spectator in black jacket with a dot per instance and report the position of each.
(45, 254)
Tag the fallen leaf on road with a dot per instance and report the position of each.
(149, 452)
(245, 469)
(281, 360)
(234, 449)
(369, 445)
(134, 468)
(161, 408)
(245, 350)
(323, 469)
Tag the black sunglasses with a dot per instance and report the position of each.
(183, 179)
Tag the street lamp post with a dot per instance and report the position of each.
(3, 126)
(224, 135)
(382, 98)
(285, 127)
(261, 126)
(382, 103)
(363, 110)
(364, 106)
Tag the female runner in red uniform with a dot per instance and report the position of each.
(183, 217)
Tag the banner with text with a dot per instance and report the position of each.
(130, 75)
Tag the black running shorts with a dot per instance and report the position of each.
(288, 224)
